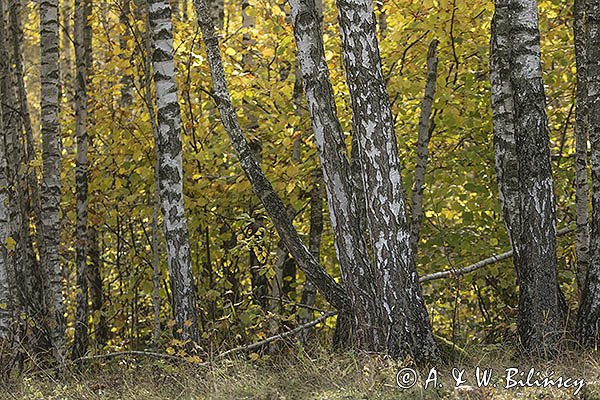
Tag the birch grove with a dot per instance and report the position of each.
(184, 181)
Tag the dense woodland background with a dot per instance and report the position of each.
(246, 285)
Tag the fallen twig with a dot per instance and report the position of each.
(218, 356)
(277, 337)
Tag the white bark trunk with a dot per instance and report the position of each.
(51, 185)
(408, 328)
(170, 173)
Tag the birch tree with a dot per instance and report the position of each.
(524, 171)
(588, 318)
(423, 137)
(350, 243)
(5, 261)
(82, 11)
(51, 185)
(505, 152)
(169, 151)
(581, 139)
(408, 329)
(5, 294)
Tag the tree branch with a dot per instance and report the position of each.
(483, 263)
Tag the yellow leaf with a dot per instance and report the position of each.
(290, 186)
(170, 350)
(254, 356)
(10, 243)
(230, 51)
(3, 306)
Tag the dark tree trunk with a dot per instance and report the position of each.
(581, 139)
(96, 289)
(588, 326)
(82, 12)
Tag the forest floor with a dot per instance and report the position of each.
(324, 376)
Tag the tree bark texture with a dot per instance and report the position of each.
(524, 171)
(424, 135)
(82, 12)
(170, 172)
(351, 247)
(408, 328)
(581, 139)
(505, 152)
(588, 326)
(51, 185)
(6, 301)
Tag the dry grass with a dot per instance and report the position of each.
(298, 375)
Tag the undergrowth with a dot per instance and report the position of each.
(291, 373)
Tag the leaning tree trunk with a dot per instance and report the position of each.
(332, 291)
(357, 272)
(581, 138)
(169, 150)
(82, 11)
(588, 326)
(540, 307)
(408, 329)
(51, 187)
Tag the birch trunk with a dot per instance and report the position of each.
(588, 319)
(156, 193)
(170, 173)
(51, 186)
(350, 243)
(505, 152)
(6, 301)
(540, 309)
(17, 40)
(424, 135)
(332, 291)
(581, 139)
(82, 10)
(408, 329)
